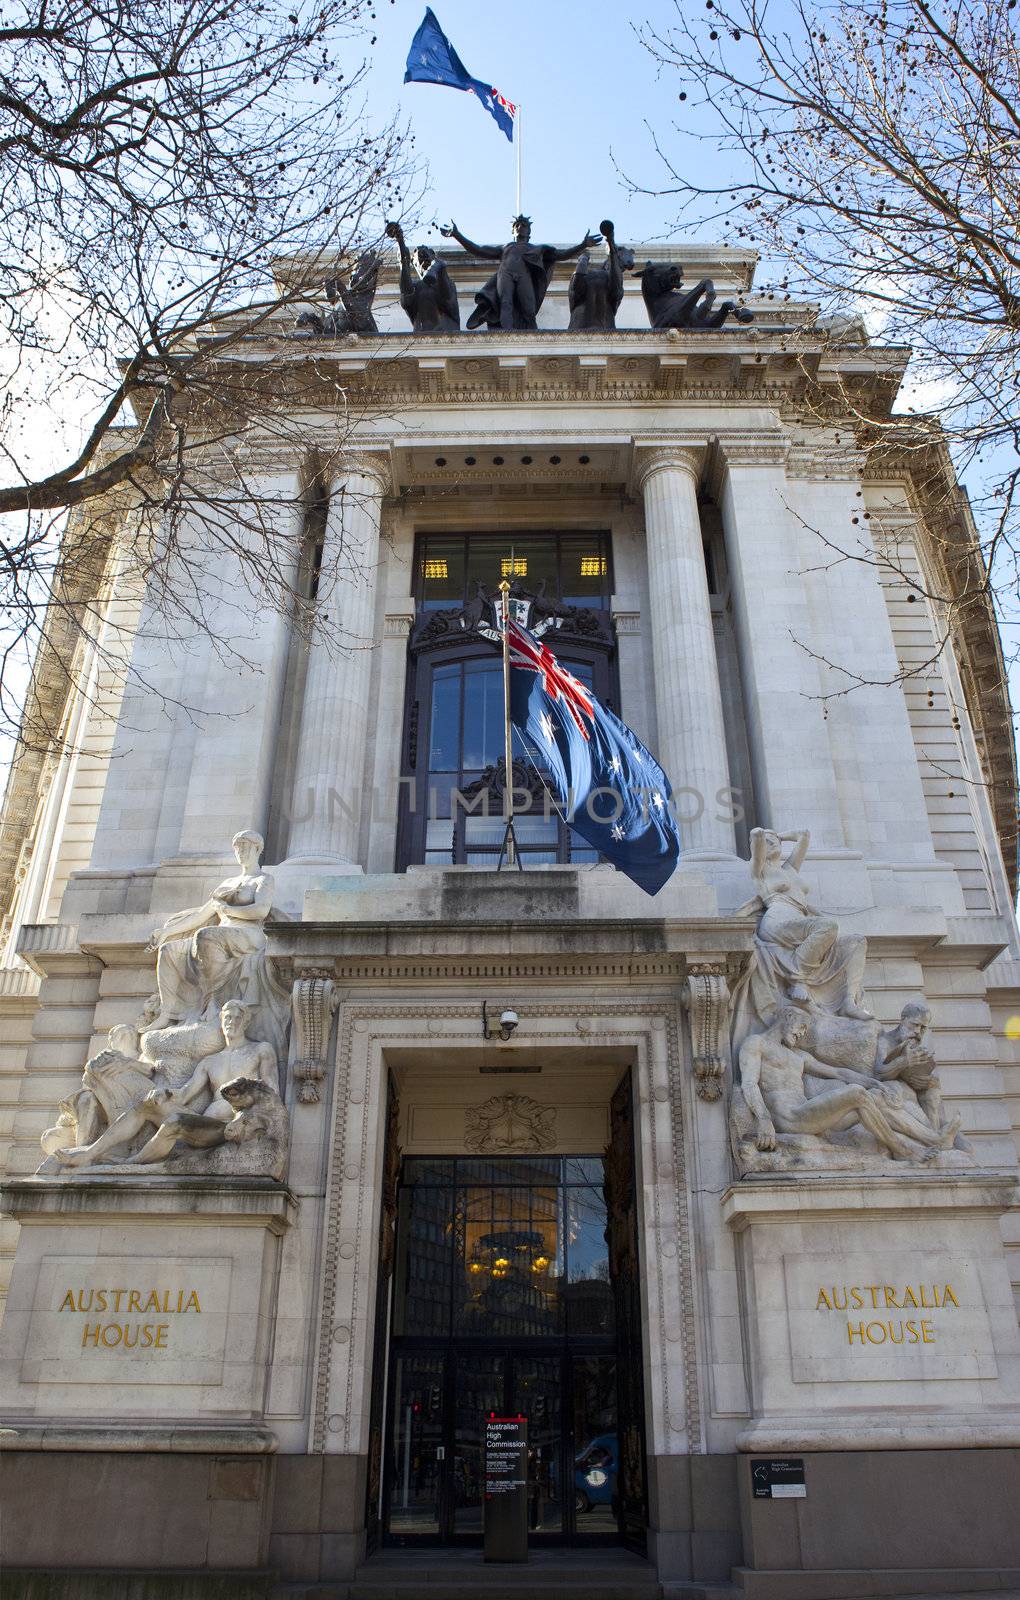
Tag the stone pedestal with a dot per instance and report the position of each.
(885, 1356)
(133, 1361)
(833, 1265)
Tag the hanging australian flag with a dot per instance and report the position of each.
(432, 59)
(608, 786)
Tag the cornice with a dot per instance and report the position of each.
(825, 462)
(544, 950)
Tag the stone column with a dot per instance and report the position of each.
(329, 770)
(219, 777)
(880, 790)
(688, 704)
(794, 777)
(398, 621)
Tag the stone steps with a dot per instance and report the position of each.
(891, 1583)
(463, 1575)
(59, 1584)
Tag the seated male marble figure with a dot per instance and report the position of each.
(772, 1072)
(167, 1111)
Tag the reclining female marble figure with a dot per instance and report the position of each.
(202, 951)
(799, 953)
(169, 1113)
(772, 1082)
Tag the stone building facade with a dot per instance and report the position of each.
(253, 1360)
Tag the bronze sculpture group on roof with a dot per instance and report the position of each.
(510, 300)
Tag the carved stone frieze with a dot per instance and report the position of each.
(315, 1000)
(706, 998)
(509, 1122)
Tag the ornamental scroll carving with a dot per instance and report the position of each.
(315, 1000)
(706, 997)
(509, 1122)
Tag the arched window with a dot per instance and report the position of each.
(452, 809)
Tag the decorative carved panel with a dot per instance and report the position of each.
(509, 1122)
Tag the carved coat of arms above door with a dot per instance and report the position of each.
(509, 1123)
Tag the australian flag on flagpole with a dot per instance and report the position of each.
(607, 785)
(432, 59)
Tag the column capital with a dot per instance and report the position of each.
(374, 464)
(678, 456)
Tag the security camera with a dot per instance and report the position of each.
(507, 1024)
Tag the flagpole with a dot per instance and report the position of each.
(519, 142)
(509, 842)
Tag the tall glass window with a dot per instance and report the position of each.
(503, 1249)
(573, 568)
(454, 725)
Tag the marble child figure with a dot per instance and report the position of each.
(169, 1112)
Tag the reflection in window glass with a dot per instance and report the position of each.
(589, 1296)
(424, 1265)
(441, 571)
(571, 567)
(478, 1255)
(584, 569)
(444, 728)
(483, 713)
(507, 1242)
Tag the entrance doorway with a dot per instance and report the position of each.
(514, 1293)
(440, 1406)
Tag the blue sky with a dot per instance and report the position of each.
(586, 87)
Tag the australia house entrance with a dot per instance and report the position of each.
(514, 1291)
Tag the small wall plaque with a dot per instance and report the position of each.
(778, 1479)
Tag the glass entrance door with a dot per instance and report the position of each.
(416, 1490)
(440, 1405)
(537, 1388)
(505, 1301)
(478, 1387)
